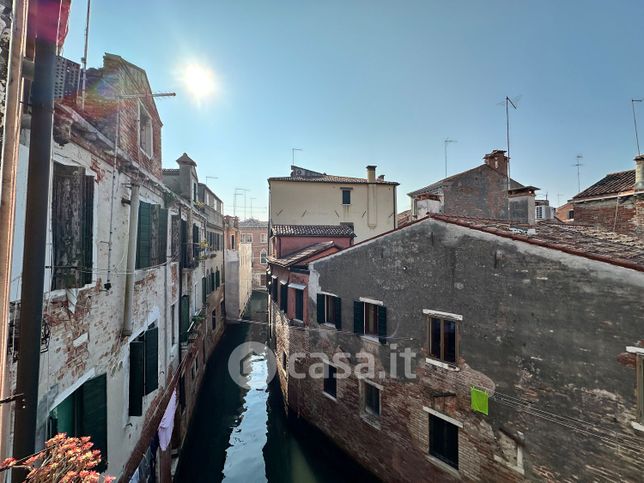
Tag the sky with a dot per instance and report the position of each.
(384, 82)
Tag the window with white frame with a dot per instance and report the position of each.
(145, 131)
(263, 238)
(443, 336)
(247, 238)
(638, 352)
(262, 257)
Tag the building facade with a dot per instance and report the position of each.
(482, 192)
(470, 378)
(255, 233)
(367, 205)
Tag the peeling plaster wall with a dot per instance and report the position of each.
(539, 325)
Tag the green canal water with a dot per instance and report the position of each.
(243, 435)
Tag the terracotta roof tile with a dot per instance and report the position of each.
(302, 254)
(312, 230)
(253, 223)
(327, 178)
(612, 183)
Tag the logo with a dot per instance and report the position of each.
(241, 359)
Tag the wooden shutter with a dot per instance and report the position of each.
(338, 312)
(94, 415)
(88, 229)
(163, 236)
(67, 217)
(382, 324)
(358, 317)
(320, 309)
(185, 253)
(143, 235)
(217, 279)
(137, 362)
(154, 235)
(175, 243)
(184, 322)
(203, 291)
(151, 341)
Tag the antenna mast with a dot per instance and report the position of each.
(84, 59)
(446, 142)
(579, 164)
(637, 139)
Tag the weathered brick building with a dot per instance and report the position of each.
(616, 202)
(526, 351)
(255, 232)
(483, 192)
(132, 296)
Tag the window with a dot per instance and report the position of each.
(84, 413)
(443, 339)
(283, 297)
(329, 308)
(247, 238)
(370, 398)
(346, 196)
(204, 291)
(175, 242)
(299, 304)
(443, 440)
(145, 131)
(370, 319)
(284, 361)
(144, 368)
(330, 382)
(571, 214)
(196, 238)
(72, 223)
(214, 319)
(262, 257)
(640, 388)
(274, 284)
(152, 235)
(195, 298)
(263, 238)
(232, 242)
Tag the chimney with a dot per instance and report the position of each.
(639, 172)
(371, 174)
(381, 177)
(498, 161)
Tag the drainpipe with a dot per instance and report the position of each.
(35, 241)
(131, 259)
(10, 144)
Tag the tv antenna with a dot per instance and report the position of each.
(579, 164)
(514, 102)
(637, 139)
(293, 155)
(446, 142)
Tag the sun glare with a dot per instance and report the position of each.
(200, 82)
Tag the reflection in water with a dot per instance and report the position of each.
(240, 435)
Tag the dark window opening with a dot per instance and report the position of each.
(371, 399)
(299, 304)
(370, 319)
(443, 340)
(283, 298)
(346, 197)
(152, 235)
(330, 382)
(443, 440)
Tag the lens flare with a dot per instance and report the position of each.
(199, 81)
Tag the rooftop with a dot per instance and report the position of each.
(313, 230)
(253, 223)
(306, 175)
(612, 183)
(302, 254)
(171, 171)
(581, 240)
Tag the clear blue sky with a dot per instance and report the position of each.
(357, 82)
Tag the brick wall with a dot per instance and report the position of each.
(621, 217)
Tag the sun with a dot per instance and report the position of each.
(200, 82)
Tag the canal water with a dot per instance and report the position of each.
(243, 435)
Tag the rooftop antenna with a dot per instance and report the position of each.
(251, 206)
(293, 155)
(637, 139)
(509, 102)
(238, 192)
(579, 164)
(211, 177)
(446, 142)
(558, 200)
(84, 59)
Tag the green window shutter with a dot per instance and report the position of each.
(184, 323)
(88, 230)
(151, 342)
(143, 235)
(213, 280)
(137, 358)
(163, 235)
(320, 309)
(94, 415)
(358, 317)
(382, 324)
(217, 279)
(338, 312)
(203, 291)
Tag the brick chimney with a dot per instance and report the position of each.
(498, 161)
(371, 174)
(639, 173)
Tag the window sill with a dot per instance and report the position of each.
(443, 466)
(328, 325)
(371, 420)
(370, 338)
(444, 365)
(332, 398)
(637, 426)
(518, 469)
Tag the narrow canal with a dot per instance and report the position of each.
(243, 435)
